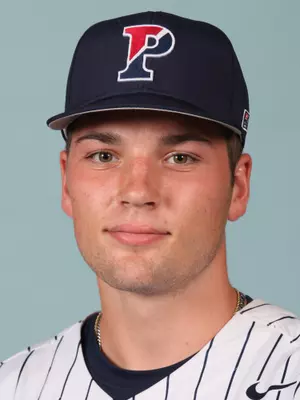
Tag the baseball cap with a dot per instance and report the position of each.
(156, 61)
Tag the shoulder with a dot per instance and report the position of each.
(273, 340)
(274, 319)
(37, 361)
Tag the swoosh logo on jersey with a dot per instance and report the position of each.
(253, 394)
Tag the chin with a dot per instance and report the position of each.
(138, 285)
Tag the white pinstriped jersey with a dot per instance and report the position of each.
(256, 355)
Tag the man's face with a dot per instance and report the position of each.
(144, 179)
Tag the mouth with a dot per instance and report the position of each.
(137, 239)
(137, 235)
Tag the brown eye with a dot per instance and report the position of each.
(101, 157)
(181, 158)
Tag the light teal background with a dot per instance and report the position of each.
(44, 284)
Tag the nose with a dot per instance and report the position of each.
(139, 184)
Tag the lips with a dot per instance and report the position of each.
(138, 229)
(137, 235)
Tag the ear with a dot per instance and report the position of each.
(66, 202)
(241, 188)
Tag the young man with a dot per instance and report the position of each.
(164, 99)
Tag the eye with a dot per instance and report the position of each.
(181, 157)
(101, 157)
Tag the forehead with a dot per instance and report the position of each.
(163, 123)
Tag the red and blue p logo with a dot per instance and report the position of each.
(145, 41)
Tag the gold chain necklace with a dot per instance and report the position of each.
(241, 302)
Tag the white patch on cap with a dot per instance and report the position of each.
(245, 120)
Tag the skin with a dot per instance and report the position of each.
(150, 294)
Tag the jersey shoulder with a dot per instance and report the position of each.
(39, 359)
(273, 317)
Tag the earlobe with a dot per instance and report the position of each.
(66, 202)
(241, 189)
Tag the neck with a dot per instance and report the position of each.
(148, 332)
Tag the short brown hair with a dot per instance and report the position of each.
(235, 150)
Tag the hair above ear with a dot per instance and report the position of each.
(234, 149)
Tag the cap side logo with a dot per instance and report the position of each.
(245, 120)
(145, 41)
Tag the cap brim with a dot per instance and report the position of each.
(138, 101)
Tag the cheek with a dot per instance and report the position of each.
(88, 193)
(204, 202)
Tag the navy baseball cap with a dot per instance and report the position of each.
(156, 61)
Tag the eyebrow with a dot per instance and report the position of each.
(171, 139)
